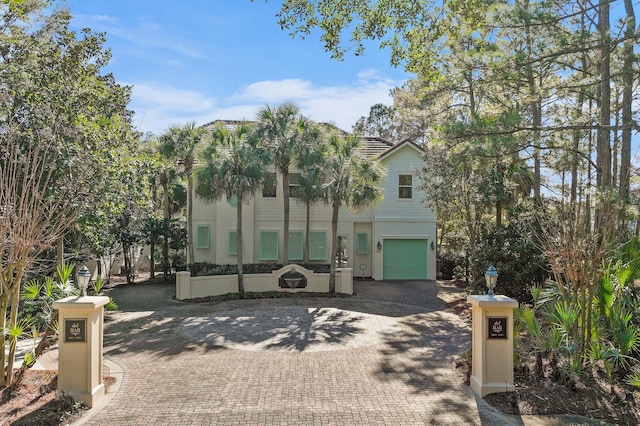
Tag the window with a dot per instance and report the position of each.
(405, 186)
(296, 245)
(294, 184)
(269, 185)
(268, 245)
(317, 245)
(233, 247)
(362, 243)
(202, 236)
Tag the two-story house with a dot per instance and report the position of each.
(393, 240)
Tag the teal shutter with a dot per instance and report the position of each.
(296, 244)
(268, 245)
(202, 236)
(318, 245)
(233, 247)
(362, 243)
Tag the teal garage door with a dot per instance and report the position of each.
(404, 259)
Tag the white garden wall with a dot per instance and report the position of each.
(188, 287)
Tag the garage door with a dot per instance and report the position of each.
(404, 259)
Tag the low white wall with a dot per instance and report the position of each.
(188, 287)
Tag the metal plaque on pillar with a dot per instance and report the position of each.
(497, 327)
(75, 330)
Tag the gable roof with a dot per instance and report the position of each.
(399, 145)
(372, 146)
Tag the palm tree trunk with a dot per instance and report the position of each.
(334, 249)
(286, 198)
(239, 245)
(167, 219)
(190, 258)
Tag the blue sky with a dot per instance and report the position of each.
(202, 60)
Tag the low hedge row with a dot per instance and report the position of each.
(203, 269)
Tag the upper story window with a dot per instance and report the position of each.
(294, 184)
(202, 236)
(405, 186)
(269, 185)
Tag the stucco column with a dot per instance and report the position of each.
(345, 285)
(183, 285)
(492, 344)
(80, 360)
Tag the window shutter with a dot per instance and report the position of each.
(362, 242)
(268, 245)
(318, 245)
(233, 247)
(202, 236)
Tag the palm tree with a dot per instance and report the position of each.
(234, 164)
(282, 128)
(351, 180)
(311, 164)
(179, 143)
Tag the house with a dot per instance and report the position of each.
(393, 240)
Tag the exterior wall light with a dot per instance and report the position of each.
(379, 246)
(83, 278)
(491, 277)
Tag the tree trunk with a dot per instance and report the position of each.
(13, 320)
(286, 195)
(167, 220)
(239, 245)
(152, 260)
(334, 249)
(603, 148)
(627, 99)
(190, 257)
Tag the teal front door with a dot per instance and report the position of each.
(404, 259)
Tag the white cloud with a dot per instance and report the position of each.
(159, 106)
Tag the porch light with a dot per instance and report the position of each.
(491, 277)
(379, 245)
(83, 278)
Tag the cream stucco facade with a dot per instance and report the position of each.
(400, 223)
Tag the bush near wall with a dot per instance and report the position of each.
(203, 269)
(519, 261)
(450, 265)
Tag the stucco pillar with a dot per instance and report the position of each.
(345, 286)
(183, 285)
(80, 360)
(492, 344)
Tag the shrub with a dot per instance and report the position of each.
(451, 265)
(520, 262)
(202, 269)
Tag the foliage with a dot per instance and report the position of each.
(512, 249)
(284, 132)
(38, 296)
(551, 327)
(234, 165)
(351, 180)
(450, 264)
(179, 143)
(61, 117)
(201, 269)
(379, 123)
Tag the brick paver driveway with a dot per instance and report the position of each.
(382, 356)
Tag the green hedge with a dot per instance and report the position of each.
(203, 269)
